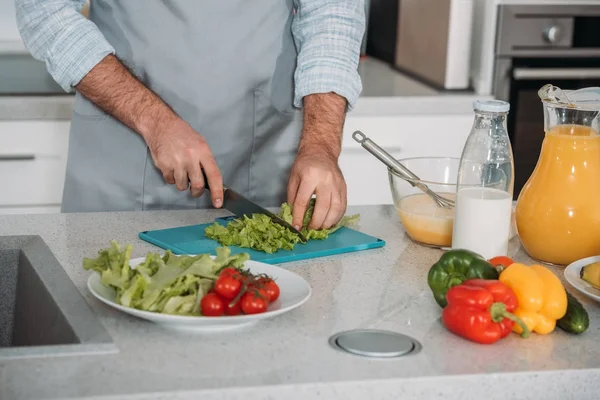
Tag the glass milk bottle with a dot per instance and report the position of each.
(485, 181)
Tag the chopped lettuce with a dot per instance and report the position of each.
(286, 215)
(257, 233)
(113, 266)
(169, 284)
(260, 233)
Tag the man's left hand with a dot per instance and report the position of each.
(318, 173)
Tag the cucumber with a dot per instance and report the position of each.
(576, 320)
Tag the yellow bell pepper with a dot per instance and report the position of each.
(541, 294)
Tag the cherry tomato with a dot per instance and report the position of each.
(272, 289)
(252, 303)
(236, 273)
(243, 277)
(261, 292)
(212, 305)
(235, 309)
(228, 286)
(501, 260)
(229, 271)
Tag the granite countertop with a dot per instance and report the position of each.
(386, 92)
(288, 357)
(27, 108)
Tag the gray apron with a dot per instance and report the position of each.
(225, 67)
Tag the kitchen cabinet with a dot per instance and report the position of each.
(402, 136)
(33, 159)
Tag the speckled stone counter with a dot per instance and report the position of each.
(288, 357)
(25, 108)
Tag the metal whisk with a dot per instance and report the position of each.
(400, 169)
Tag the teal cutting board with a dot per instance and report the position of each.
(191, 240)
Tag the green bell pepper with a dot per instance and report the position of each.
(453, 268)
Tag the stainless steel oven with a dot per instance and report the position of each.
(535, 45)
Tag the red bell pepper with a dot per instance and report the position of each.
(481, 310)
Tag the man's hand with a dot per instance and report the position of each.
(319, 174)
(181, 153)
(177, 150)
(316, 169)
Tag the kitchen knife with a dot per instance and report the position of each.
(240, 206)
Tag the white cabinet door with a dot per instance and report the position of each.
(402, 136)
(33, 159)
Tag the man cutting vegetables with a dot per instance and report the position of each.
(166, 89)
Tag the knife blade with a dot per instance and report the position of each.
(240, 206)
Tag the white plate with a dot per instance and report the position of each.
(572, 276)
(294, 291)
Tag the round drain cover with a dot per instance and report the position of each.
(375, 343)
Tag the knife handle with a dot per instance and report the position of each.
(206, 181)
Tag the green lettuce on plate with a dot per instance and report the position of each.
(260, 233)
(169, 284)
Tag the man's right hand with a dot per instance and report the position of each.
(181, 153)
(177, 150)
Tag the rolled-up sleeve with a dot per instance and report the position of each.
(54, 31)
(328, 36)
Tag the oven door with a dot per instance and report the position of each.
(526, 118)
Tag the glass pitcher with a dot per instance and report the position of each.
(558, 210)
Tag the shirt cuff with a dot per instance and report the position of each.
(77, 50)
(325, 79)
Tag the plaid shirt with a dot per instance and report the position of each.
(328, 34)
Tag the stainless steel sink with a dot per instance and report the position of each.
(41, 311)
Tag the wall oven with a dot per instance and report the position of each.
(536, 45)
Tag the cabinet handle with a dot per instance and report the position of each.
(17, 157)
(524, 74)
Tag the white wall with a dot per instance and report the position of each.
(8, 24)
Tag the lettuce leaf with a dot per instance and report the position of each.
(169, 284)
(286, 215)
(112, 264)
(260, 233)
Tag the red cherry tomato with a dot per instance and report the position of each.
(229, 271)
(253, 303)
(212, 305)
(233, 308)
(272, 289)
(244, 278)
(228, 286)
(260, 292)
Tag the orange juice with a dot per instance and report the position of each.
(558, 210)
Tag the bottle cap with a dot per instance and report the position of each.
(495, 106)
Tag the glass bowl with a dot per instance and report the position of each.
(423, 221)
